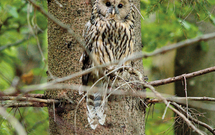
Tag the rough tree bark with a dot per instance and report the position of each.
(193, 58)
(124, 115)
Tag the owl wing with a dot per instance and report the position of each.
(85, 59)
(95, 102)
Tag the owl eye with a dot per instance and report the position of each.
(120, 6)
(108, 4)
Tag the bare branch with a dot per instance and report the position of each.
(140, 55)
(30, 99)
(173, 109)
(180, 77)
(192, 101)
(153, 83)
(16, 43)
(185, 90)
(23, 104)
(195, 120)
(140, 94)
(178, 99)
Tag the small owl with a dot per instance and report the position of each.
(109, 36)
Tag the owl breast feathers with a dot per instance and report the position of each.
(109, 36)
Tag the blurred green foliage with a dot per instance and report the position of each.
(20, 21)
(35, 121)
(155, 125)
(165, 23)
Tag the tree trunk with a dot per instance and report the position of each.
(190, 59)
(124, 115)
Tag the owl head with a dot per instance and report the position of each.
(114, 9)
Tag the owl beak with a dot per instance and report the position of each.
(116, 10)
(113, 10)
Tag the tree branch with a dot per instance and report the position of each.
(30, 99)
(180, 77)
(15, 44)
(189, 123)
(178, 99)
(153, 83)
(18, 42)
(23, 104)
(195, 120)
(140, 55)
(138, 93)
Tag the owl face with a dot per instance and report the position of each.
(114, 9)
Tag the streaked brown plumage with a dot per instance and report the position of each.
(109, 36)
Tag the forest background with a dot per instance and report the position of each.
(23, 54)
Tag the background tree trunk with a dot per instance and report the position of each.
(124, 115)
(193, 58)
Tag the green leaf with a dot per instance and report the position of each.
(13, 11)
(185, 24)
(212, 19)
(41, 21)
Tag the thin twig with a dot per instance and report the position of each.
(196, 98)
(185, 90)
(165, 111)
(17, 43)
(175, 99)
(13, 121)
(195, 120)
(192, 101)
(138, 12)
(180, 77)
(139, 55)
(189, 123)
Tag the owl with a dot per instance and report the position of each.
(109, 36)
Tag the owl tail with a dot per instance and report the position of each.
(95, 106)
